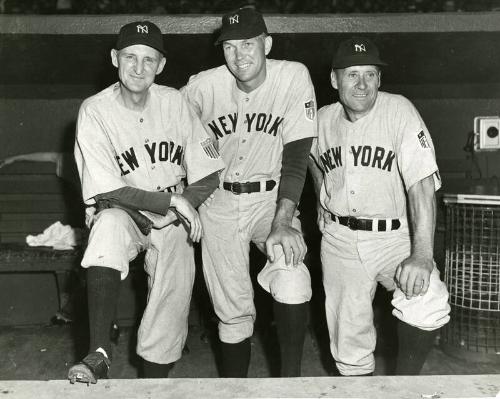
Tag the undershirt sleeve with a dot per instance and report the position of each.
(196, 193)
(294, 168)
(153, 201)
(159, 202)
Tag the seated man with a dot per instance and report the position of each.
(136, 142)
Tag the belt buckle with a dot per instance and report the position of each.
(236, 186)
(352, 223)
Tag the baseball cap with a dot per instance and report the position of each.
(244, 23)
(356, 51)
(140, 32)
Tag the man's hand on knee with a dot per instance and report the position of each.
(291, 241)
(413, 275)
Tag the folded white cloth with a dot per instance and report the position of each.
(58, 236)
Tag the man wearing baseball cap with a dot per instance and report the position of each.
(245, 23)
(262, 114)
(374, 150)
(136, 143)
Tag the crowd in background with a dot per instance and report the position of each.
(220, 6)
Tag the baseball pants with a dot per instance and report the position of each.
(353, 263)
(230, 223)
(114, 241)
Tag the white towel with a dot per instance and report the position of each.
(58, 236)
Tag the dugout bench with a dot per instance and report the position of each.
(32, 198)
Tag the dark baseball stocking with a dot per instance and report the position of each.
(235, 359)
(155, 370)
(413, 348)
(103, 285)
(291, 323)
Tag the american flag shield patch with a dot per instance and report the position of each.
(423, 140)
(209, 148)
(310, 109)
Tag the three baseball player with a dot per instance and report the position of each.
(373, 148)
(136, 142)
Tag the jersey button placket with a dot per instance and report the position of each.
(243, 130)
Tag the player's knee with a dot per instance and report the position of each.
(291, 287)
(427, 312)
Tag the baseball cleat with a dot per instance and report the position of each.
(94, 366)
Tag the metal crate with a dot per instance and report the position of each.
(472, 276)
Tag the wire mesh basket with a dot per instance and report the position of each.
(472, 275)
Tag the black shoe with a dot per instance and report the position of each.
(94, 366)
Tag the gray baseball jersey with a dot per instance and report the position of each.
(370, 163)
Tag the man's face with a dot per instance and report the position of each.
(358, 88)
(246, 59)
(137, 66)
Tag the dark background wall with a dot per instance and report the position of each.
(447, 64)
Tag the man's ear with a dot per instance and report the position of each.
(379, 78)
(333, 80)
(161, 65)
(268, 44)
(114, 57)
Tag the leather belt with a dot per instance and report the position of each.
(367, 224)
(248, 187)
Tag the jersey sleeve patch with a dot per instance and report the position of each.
(209, 148)
(310, 110)
(423, 140)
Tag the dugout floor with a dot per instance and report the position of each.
(45, 352)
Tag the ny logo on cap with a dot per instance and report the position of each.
(359, 48)
(234, 19)
(142, 29)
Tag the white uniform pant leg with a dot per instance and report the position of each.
(349, 292)
(170, 267)
(114, 241)
(383, 252)
(286, 283)
(225, 250)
